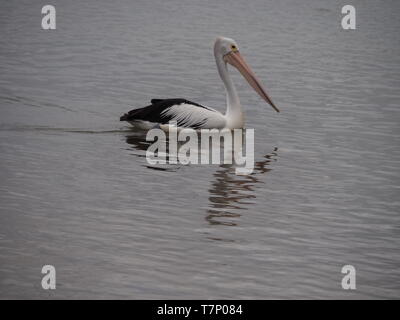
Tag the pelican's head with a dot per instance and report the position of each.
(228, 50)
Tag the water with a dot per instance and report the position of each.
(77, 192)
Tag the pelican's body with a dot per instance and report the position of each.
(187, 114)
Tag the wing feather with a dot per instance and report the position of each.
(192, 116)
(185, 113)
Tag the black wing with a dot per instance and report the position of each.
(155, 111)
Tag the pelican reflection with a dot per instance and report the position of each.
(231, 193)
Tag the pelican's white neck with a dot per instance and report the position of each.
(234, 112)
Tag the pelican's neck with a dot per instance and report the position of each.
(233, 106)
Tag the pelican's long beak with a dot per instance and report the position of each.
(236, 59)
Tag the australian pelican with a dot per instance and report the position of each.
(193, 115)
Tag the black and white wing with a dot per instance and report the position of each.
(185, 113)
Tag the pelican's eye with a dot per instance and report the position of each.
(233, 47)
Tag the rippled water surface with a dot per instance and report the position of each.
(76, 191)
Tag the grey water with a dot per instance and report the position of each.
(76, 191)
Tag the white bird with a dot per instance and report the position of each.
(188, 114)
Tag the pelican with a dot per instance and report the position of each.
(187, 114)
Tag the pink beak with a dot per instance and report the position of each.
(236, 59)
